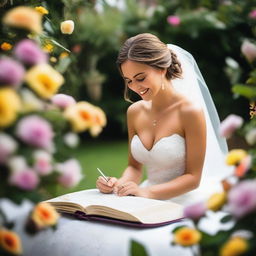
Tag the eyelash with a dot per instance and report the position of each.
(139, 80)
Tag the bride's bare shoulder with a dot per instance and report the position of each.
(137, 107)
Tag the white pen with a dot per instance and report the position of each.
(103, 175)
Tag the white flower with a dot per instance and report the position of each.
(43, 163)
(250, 137)
(30, 101)
(17, 163)
(71, 139)
(7, 146)
(67, 26)
(249, 50)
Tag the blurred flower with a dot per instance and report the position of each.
(10, 242)
(250, 137)
(195, 211)
(44, 80)
(76, 48)
(173, 20)
(99, 122)
(63, 55)
(249, 50)
(252, 14)
(30, 102)
(24, 17)
(70, 173)
(62, 100)
(187, 236)
(242, 198)
(235, 156)
(35, 131)
(26, 179)
(80, 115)
(29, 52)
(234, 247)
(71, 139)
(229, 125)
(41, 10)
(243, 166)
(9, 105)
(53, 59)
(48, 47)
(7, 146)
(11, 72)
(6, 46)
(44, 215)
(67, 27)
(243, 234)
(17, 163)
(216, 201)
(43, 162)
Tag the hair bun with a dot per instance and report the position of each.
(175, 70)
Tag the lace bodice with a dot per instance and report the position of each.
(164, 161)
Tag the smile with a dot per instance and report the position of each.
(144, 91)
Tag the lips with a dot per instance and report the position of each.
(144, 91)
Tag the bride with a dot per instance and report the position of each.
(173, 129)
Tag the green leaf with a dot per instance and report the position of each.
(226, 219)
(177, 228)
(137, 249)
(244, 90)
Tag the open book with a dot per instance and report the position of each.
(128, 210)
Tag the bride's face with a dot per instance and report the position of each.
(142, 79)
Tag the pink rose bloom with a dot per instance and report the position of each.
(35, 131)
(229, 125)
(62, 100)
(7, 147)
(252, 14)
(29, 52)
(173, 20)
(249, 50)
(11, 72)
(195, 211)
(43, 165)
(70, 173)
(26, 179)
(242, 198)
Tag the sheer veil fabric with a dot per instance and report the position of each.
(194, 87)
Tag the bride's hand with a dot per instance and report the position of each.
(104, 186)
(131, 188)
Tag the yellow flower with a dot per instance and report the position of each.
(234, 247)
(53, 59)
(99, 121)
(80, 115)
(44, 215)
(63, 55)
(216, 201)
(48, 47)
(6, 46)
(67, 27)
(10, 242)
(10, 104)
(187, 236)
(44, 80)
(41, 10)
(24, 17)
(235, 156)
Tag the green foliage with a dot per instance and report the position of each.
(137, 249)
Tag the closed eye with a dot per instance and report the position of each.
(141, 79)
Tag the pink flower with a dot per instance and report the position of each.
(35, 131)
(195, 211)
(30, 53)
(26, 179)
(173, 20)
(243, 166)
(70, 173)
(249, 50)
(7, 146)
(229, 125)
(252, 14)
(242, 198)
(11, 72)
(62, 100)
(43, 164)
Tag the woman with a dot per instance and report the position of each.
(169, 129)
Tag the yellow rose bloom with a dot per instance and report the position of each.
(187, 236)
(48, 47)
(24, 17)
(44, 80)
(10, 104)
(80, 115)
(216, 201)
(235, 156)
(63, 55)
(6, 46)
(234, 247)
(10, 242)
(67, 27)
(41, 10)
(99, 121)
(44, 215)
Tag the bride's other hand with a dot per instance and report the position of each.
(104, 186)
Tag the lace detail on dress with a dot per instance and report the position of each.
(165, 161)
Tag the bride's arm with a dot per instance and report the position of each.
(193, 120)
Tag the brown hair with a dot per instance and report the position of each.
(146, 48)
